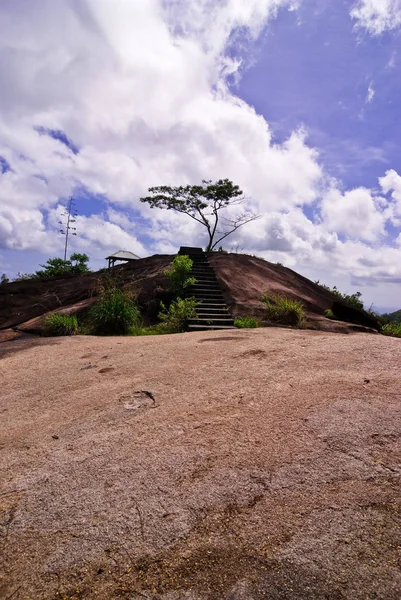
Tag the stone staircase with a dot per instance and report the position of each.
(212, 310)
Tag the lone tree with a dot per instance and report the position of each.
(203, 204)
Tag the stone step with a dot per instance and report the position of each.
(191, 250)
(212, 311)
(207, 293)
(212, 296)
(220, 320)
(197, 291)
(204, 269)
(205, 285)
(196, 327)
(210, 306)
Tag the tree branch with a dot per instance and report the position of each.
(236, 224)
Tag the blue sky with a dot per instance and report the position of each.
(296, 101)
(314, 69)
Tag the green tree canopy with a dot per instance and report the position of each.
(203, 204)
(55, 267)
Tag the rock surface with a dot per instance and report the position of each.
(243, 280)
(259, 464)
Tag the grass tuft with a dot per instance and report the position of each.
(56, 324)
(393, 329)
(246, 322)
(115, 313)
(283, 310)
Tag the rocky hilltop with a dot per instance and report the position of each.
(243, 279)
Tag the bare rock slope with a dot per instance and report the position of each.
(249, 465)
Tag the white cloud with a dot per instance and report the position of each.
(356, 214)
(141, 89)
(391, 182)
(377, 16)
(370, 93)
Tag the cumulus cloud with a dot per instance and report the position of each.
(391, 182)
(377, 16)
(356, 214)
(115, 97)
(140, 90)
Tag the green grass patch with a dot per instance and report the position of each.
(115, 313)
(328, 313)
(393, 329)
(56, 324)
(246, 322)
(283, 310)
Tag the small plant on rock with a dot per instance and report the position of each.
(283, 310)
(178, 275)
(246, 322)
(175, 318)
(115, 313)
(56, 324)
(393, 329)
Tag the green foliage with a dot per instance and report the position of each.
(23, 276)
(174, 318)
(178, 275)
(115, 313)
(203, 203)
(283, 310)
(4, 279)
(329, 313)
(56, 267)
(393, 329)
(56, 324)
(246, 322)
(351, 299)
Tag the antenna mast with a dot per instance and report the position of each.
(70, 214)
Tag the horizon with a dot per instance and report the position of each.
(295, 101)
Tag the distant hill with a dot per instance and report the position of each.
(395, 317)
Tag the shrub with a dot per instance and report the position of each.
(4, 279)
(329, 313)
(56, 267)
(175, 318)
(351, 299)
(115, 313)
(178, 275)
(393, 329)
(246, 322)
(23, 276)
(283, 310)
(56, 324)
